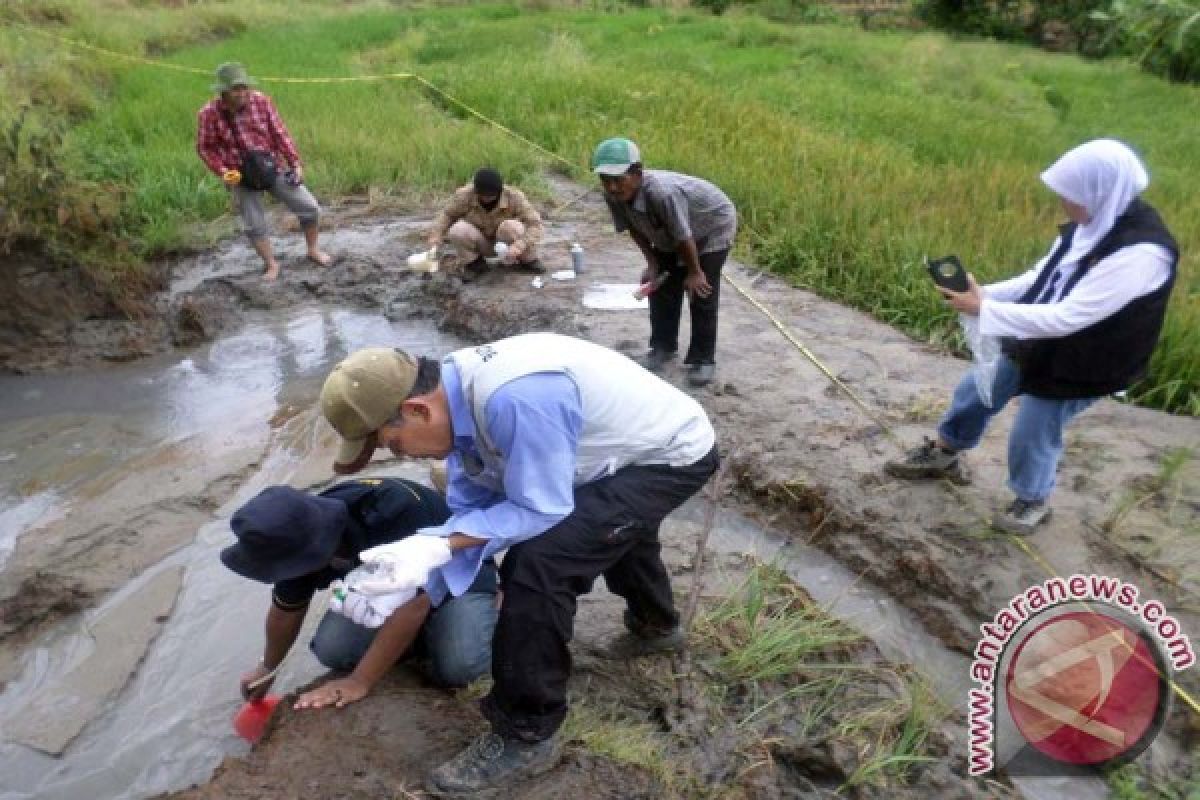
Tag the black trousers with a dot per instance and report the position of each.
(666, 305)
(613, 532)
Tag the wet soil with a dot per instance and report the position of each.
(805, 457)
(649, 728)
(380, 748)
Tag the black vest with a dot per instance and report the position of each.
(1111, 354)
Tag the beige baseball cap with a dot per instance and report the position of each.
(362, 393)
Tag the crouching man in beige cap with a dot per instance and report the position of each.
(568, 455)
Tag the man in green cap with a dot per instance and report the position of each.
(685, 227)
(243, 141)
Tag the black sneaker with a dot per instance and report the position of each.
(929, 461)
(472, 270)
(701, 374)
(641, 639)
(1022, 517)
(533, 267)
(656, 358)
(492, 762)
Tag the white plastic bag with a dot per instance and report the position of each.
(370, 611)
(399, 566)
(986, 353)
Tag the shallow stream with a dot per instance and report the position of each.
(63, 436)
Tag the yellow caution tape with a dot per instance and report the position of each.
(149, 62)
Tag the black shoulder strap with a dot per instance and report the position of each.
(233, 128)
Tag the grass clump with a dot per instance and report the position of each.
(770, 629)
(774, 693)
(792, 674)
(1164, 490)
(613, 733)
(1135, 782)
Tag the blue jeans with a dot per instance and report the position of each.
(455, 643)
(1035, 444)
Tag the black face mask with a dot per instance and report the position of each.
(491, 205)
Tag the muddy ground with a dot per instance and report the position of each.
(805, 459)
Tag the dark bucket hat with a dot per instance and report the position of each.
(284, 533)
(231, 74)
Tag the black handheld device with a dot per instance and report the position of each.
(948, 273)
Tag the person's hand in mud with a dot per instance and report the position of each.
(967, 302)
(257, 682)
(337, 693)
(697, 283)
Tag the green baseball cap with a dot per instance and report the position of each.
(230, 75)
(362, 393)
(615, 157)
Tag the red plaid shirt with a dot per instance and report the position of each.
(258, 125)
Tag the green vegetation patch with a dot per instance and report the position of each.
(776, 693)
(850, 154)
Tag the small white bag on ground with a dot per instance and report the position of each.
(986, 352)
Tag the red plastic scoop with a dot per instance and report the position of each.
(250, 722)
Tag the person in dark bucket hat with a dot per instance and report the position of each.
(301, 542)
(242, 140)
(284, 533)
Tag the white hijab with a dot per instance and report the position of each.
(1104, 176)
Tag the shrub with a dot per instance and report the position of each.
(64, 219)
(998, 18)
(1161, 35)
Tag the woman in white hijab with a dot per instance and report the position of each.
(1080, 325)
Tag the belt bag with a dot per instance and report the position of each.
(258, 169)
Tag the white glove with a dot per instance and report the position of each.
(399, 566)
(370, 611)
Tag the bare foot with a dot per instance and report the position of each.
(272, 274)
(320, 258)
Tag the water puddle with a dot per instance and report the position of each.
(65, 440)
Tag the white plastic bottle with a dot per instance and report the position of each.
(576, 257)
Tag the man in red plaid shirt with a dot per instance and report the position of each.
(240, 119)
